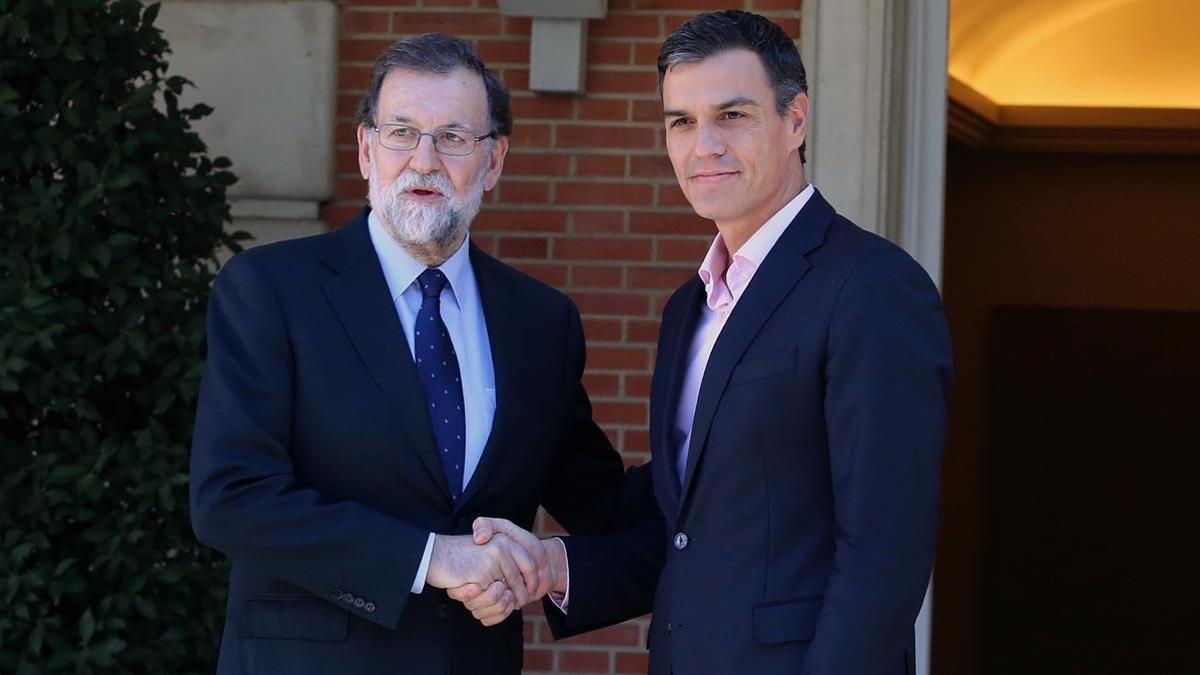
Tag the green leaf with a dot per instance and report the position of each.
(87, 627)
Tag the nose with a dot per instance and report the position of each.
(709, 141)
(425, 158)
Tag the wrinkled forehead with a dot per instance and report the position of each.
(433, 100)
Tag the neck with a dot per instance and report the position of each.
(736, 233)
(434, 253)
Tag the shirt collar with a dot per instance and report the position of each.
(401, 270)
(725, 279)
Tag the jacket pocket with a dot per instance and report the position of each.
(786, 621)
(762, 367)
(293, 619)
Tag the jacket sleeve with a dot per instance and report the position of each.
(887, 372)
(245, 498)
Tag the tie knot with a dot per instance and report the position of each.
(432, 281)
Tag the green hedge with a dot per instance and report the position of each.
(110, 217)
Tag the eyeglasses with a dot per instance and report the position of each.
(445, 141)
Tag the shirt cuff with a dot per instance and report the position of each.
(560, 599)
(418, 584)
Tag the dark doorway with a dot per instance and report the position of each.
(1091, 516)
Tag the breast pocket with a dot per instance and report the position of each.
(762, 367)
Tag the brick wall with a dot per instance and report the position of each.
(588, 202)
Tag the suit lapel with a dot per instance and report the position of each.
(779, 272)
(667, 381)
(360, 297)
(505, 319)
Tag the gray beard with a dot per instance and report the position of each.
(410, 223)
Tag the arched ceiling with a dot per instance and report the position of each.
(1078, 53)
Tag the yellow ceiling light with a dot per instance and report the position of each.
(1078, 53)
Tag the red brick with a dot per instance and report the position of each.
(602, 385)
(696, 6)
(455, 23)
(669, 194)
(347, 105)
(536, 164)
(602, 248)
(350, 188)
(624, 26)
(361, 50)
(621, 634)
(607, 412)
(596, 276)
(608, 330)
(570, 661)
(335, 214)
(529, 630)
(669, 222)
(448, 3)
(605, 52)
(642, 330)
(353, 22)
(518, 25)
(603, 136)
(638, 385)
(768, 5)
(600, 165)
(648, 110)
(503, 51)
(616, 110)
(651, 166)
(524, 247)
(636, 440)
(346, 133)
(539, 659)
(540, 106)
(646, 54)
(611, 303)
(634, 662)
(632, 194)
(668, 278)
(555, 275)
(531, 135)
(517, 79)
(678, 249)
(621, 81)
(346, 164)
(599, 222)
(354, 77)
(524, 192)
(521, 220)
(381, 3)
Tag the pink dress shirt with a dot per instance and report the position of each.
(724, 283)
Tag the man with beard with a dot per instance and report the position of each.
(370, 391)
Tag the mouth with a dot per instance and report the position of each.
(710, 177)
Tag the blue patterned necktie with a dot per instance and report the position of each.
(437, 365)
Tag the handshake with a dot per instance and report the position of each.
(498, 569)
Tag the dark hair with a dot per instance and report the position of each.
(712, 33)
(437, 53)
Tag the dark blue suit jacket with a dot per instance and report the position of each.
(802, 538)
(314, 466)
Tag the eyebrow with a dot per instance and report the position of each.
(457, 124)
(731, 103)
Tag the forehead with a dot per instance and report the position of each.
(433, 99)
(722, 77)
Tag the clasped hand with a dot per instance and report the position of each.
(496, 570)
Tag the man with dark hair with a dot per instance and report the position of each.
(797, 410)
(369, 391)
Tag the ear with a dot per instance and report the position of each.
(364, 151)
(496, 162)
(797, 116)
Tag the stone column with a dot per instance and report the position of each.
(269, 70)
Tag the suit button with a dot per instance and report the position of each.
(348, 599)
(442, 611)
(336, 595)
(360, 603)
(668, 626)
(681, 541)
(370, 608)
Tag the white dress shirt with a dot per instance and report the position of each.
(462, 312)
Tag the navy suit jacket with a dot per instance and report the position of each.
(802, 538)
(314, 466)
